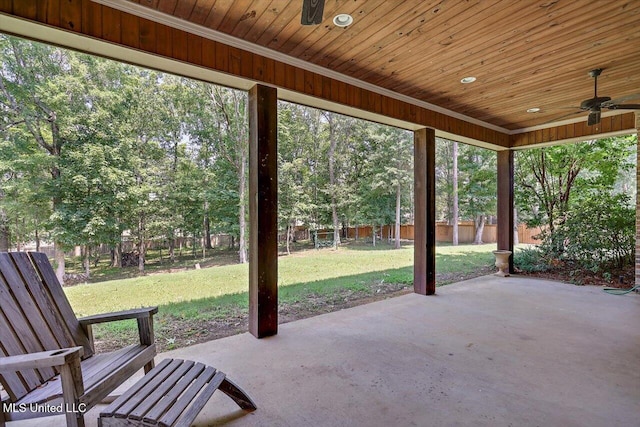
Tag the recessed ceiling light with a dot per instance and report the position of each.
(533, 110)
(467, 80)
(342, 20)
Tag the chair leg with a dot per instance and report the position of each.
(238, 395)
(149, 366)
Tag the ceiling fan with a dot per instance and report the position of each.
(312, 12)
(595, 105)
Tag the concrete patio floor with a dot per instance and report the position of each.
(485, 352)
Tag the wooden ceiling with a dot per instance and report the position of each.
(523, 53)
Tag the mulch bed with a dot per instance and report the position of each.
(570, 273)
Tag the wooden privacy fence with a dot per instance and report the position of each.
(444, 232)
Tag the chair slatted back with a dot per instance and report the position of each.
(35, 315)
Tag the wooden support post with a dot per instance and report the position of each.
(505, 203)
(424, 250)
(263, 212)
(638, 203)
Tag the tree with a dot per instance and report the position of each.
(229, 107)
(444, 179)
(332, 189)
(295, 178)
(454, 182)
(40, 95)
(390, 169)
(550, 179)
(479, 186)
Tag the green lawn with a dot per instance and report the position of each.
(301, 273)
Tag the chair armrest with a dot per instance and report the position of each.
(42, 359)
(136, 313)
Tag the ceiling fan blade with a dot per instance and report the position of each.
(623, 107)
(594, 118)
(561, 108)
(622, 99)
(566, 116)
(312, 12)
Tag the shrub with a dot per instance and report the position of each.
(598, 233)
(530, 260)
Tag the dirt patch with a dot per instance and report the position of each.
(172, 332)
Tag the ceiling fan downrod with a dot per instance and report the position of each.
(595, 73)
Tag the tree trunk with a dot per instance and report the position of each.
(172, 250)
(207, 232)
(479, 222)
(87, 261)
(288, 237)
(141, 243)
(242, 252)
(18, 238)
(373, 231)
(516, 238)
(59, 262)
(397, 230)
(454, 213)
(37, 237)
(116, 255)
(4, 232)
(332, 182)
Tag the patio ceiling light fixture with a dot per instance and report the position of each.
(467, 80)
(533, 110)
(342, 20)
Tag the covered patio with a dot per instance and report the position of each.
(405, 64)
(485, 352)
(490, 351)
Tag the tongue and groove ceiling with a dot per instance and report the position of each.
(524, 54)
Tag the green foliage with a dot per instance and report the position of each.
(580, 193)
(599, 232)
(530, 260)
(549, 180)
(476, 177)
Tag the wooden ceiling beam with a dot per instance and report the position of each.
(573, 132)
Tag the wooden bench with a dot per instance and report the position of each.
(171, 394)
(49, 360)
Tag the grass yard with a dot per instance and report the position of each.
(310, 281)
(307, 267)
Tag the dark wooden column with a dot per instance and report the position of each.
(424, 250)
(637, 283)
(505, 203)
(263, 212)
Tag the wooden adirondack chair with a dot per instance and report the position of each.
(49, 365)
